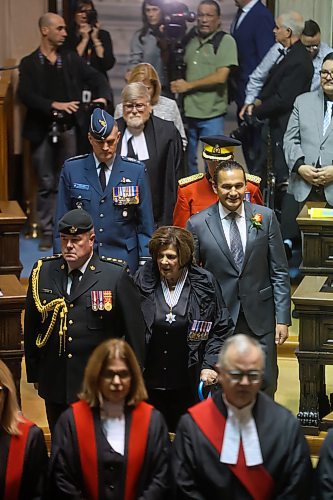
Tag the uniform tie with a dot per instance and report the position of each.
(75, 275)
(236, 246)
(130, 149)
(328, 116)
(102, 176)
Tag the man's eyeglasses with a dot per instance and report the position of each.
(311, 47)
(131, 106)
(325, 73)
(110, 374)
(236, 376)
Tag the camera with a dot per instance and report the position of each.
(249, 121)
(91, 17)
(57, 125)
(176, 15)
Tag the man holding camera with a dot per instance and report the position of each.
(209, 55)
(50, 85)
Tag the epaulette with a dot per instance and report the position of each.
(192, 178)
(79, 157)
(51, 257)
(119, 262)
(133, 160)
(253, 178)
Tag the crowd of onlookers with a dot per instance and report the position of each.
(133, 306)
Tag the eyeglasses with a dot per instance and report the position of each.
(311, 47)
(138, 107)
(324, 73)
(110, 374)
(236, 376)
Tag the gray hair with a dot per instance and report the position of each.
(134, 91)
(294, 21)
(243, 344)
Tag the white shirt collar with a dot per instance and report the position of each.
(240, 425)
(249, 6)
(109, 164)
(139, 145)
(224, 212)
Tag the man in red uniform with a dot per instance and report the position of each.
(195, 193)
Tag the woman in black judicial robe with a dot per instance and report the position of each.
(186, 320)
(23, 453)
(110, 444)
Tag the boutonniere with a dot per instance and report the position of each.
(256, 222)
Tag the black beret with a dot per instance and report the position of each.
(75, 222)
(101, 124)
(219, 147)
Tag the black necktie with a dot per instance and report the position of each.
(239, 13)
(236, 246)
(130, 150)
(102, 176)
(75, 275)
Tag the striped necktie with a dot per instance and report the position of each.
(236, 247)
(328, 116)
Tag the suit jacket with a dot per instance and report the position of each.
(59, 369)
(252, 44)
(304, 138)
(164, 165)
(122, 231)
(262, 286)
(197, 472)
(32, 90)
(289, 78)
(198, 195)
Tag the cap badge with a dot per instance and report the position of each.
(216, 149)
(73, 230)
(102, 122)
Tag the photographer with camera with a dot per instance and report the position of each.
(209, 55)
(51, 82)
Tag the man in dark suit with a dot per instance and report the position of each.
(75, 301)
(155, 142)
(50, 85)
(240, 244)
(114, 190)
(252, 28)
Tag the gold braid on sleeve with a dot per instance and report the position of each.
(58, 306)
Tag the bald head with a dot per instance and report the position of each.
(53, 30)
(48, 19)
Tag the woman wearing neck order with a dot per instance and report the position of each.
(186, 321)
(23, 454)
(110, 444)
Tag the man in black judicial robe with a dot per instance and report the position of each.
(197, 470)
(155, 142)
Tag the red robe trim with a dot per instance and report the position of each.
(138, 435)
(256, 479)
(15, 462)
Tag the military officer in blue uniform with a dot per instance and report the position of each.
(75, 301)
(114, 190)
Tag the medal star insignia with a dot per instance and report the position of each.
(170, 318)
(102, 122)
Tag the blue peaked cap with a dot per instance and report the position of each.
(101, 124)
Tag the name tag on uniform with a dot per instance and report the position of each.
(125, 195)
(81, 186)
(199, 330)
(101, 300)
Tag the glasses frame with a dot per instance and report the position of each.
(236, 376)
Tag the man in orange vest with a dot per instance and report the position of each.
(195, 193)
(240, 444)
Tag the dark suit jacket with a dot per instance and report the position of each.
(262, 287)
(286, 80)
(59, 371)
(164, 164)
(254, 37)
(32, 90)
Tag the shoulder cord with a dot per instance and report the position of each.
(56, 305)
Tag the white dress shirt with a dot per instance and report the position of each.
(246, 9)
(139, 145)
(240, 221)
(108, 170)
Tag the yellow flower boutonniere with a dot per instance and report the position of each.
(256, 222)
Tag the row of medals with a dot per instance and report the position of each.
(101, 300)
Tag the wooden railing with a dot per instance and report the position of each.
(6, 127)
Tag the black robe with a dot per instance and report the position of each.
(324, 473)
(34, 466)
(198, 473)
(65, 478)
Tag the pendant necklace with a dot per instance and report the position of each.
(172, 298)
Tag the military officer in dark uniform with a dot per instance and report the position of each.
(195, 193)
(114, 190)
(75, 301)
